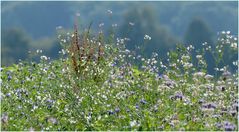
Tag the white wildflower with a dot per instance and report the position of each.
(234, 45)
(188, 65)
(208, 77)
(109, 11)
(43, 57)
(63, 51)
(101, 24)
(199, 74)
(205, 43)
(147, 37)
(190, 47)
(198, 56)
(52, 120)
(235, 63)
(133, 123)
(131, 23)
(39, 51)
(59, 36)
(185, 57)
(63, 40)
(114, 25)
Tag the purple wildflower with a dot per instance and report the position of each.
(137, 106)
(228, 126)
(117, 110)
(4, 118)
(9, 77)
(8, 94)
(209, 105)
(143, 101)
(110, 112)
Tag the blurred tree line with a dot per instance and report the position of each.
(140, 22)
(16, 44)
(136, 23)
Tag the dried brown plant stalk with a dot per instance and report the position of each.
(84, 51)
(75, 49)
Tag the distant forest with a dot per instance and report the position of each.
(33, 25)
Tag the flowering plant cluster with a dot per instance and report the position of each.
(97, 85)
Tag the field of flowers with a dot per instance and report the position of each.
(101, 85)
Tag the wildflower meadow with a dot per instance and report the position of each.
(99, 84)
